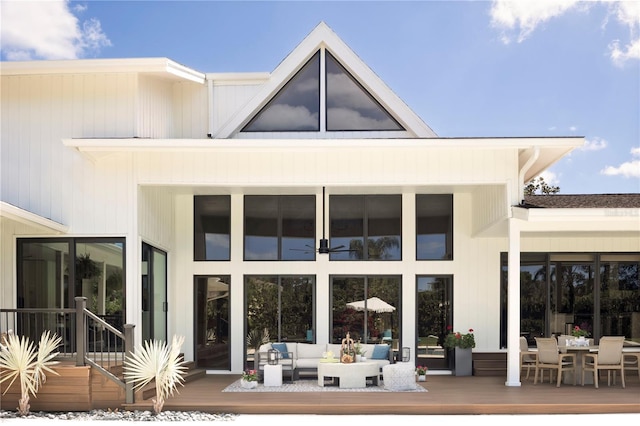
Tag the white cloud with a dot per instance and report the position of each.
(526, 15)
(550, 178)
(629, 169)
(594, 144)
(47, 30)
(523, 17)
(573, 128)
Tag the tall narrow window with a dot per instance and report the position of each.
(212, 322)
(212, 227)
(434, 227)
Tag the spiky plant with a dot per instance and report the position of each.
(21, 361)
(154, 360)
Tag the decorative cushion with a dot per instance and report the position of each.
(281, 347)
(380, 352)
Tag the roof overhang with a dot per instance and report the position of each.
(10, 212)
(585, 221)
(551, 148)
(159, 67)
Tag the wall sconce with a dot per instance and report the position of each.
(272, 357)
(406, 354)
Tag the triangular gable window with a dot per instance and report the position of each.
(296, 107)
(350, 106)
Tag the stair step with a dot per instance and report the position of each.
(149, 391)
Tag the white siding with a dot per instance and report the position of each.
(156, 217)
(191, 110)
(155, 118)
(228, 100)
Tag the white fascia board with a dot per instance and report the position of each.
(139, 144)
(238, 79)
(19, 215)
(579, 219)
(158, 66)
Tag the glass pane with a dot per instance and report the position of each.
(384, 227)
(383, 315)
(434, 227)
(211, 223)
(434, 314)
(346, 290)
(620, 299)
(296, 311)
(261, 312)
(350, 106)
(159, 294)
(100, 267)
(298, 227)
(212, 322)
(572, 297)
(346, 216)
(533, 299)
(296, 107)
(260, 227)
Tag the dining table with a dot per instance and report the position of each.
(579, 351)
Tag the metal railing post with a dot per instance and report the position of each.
(129, 346)
(81, 337)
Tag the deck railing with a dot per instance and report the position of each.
(85, 337)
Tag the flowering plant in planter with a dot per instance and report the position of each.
(421, 370)
(459, 340)
(579, 332)
(250, 375)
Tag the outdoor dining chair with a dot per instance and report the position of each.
(527, 357)
(608, 358)
(632, 361)
(550, 358)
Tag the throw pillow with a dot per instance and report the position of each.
(281, 347)
(380, 352)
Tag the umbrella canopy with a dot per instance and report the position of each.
(372, 304)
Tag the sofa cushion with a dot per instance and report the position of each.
(380, 352)
(311, 350)
(335, 348)
(281, 347)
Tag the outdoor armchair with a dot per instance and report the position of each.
(527, 357)
(550, 358)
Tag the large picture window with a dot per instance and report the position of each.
(279, 227)
(598, 292)
(212, 326)
(434, 227)
(368, 226)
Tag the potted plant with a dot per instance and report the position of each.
(249, 379)
(421, 371)
(359, 352)
(461, 344)
(579, 332)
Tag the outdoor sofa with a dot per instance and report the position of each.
(303, 358)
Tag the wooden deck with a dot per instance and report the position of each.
(446, 395)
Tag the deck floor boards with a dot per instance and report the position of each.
(446, 395)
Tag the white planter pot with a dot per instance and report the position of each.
(422, 378)
(248, 385)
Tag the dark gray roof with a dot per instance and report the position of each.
(582, 201)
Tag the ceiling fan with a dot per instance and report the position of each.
(323, 247)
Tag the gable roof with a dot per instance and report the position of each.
(323, 36)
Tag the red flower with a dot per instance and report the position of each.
(471, 330)
(458, 335)
(449, 327)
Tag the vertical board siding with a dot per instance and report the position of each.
(490, 206)
(156, 216)
(191, 110)
(228, 100)
(155, 108)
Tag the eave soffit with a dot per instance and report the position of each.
(324, 37)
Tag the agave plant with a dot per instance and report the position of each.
(19, 360)
(154, 360)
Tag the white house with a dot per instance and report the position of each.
(211, 205)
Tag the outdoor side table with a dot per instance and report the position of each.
(272, 375)
(399, 376)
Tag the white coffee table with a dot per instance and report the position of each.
(351, 376)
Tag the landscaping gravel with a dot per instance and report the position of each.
(134, 416)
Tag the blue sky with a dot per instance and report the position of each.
(467, 68)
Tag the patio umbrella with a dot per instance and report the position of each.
(372, 304)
